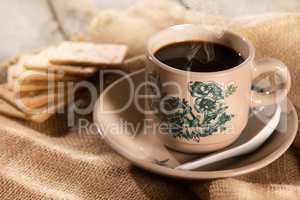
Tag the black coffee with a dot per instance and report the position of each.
(199, 56)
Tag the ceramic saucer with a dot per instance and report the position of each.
(119, 119)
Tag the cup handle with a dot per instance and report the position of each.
(271, 65)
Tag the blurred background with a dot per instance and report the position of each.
(28, 24)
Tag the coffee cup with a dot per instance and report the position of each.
(203, 105)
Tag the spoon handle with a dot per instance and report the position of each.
(208, 160)
(245, 148)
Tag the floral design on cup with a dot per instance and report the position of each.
(208, 115)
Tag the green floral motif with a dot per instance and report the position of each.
(161, 162)
(208, 115)
(230, 90)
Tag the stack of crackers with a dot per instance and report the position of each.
(41, 83)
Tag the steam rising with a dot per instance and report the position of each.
(206, 52)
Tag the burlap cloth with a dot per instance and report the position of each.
(51, 161)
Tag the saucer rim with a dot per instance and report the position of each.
(192, 175)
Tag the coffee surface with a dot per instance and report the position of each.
(199, 56)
